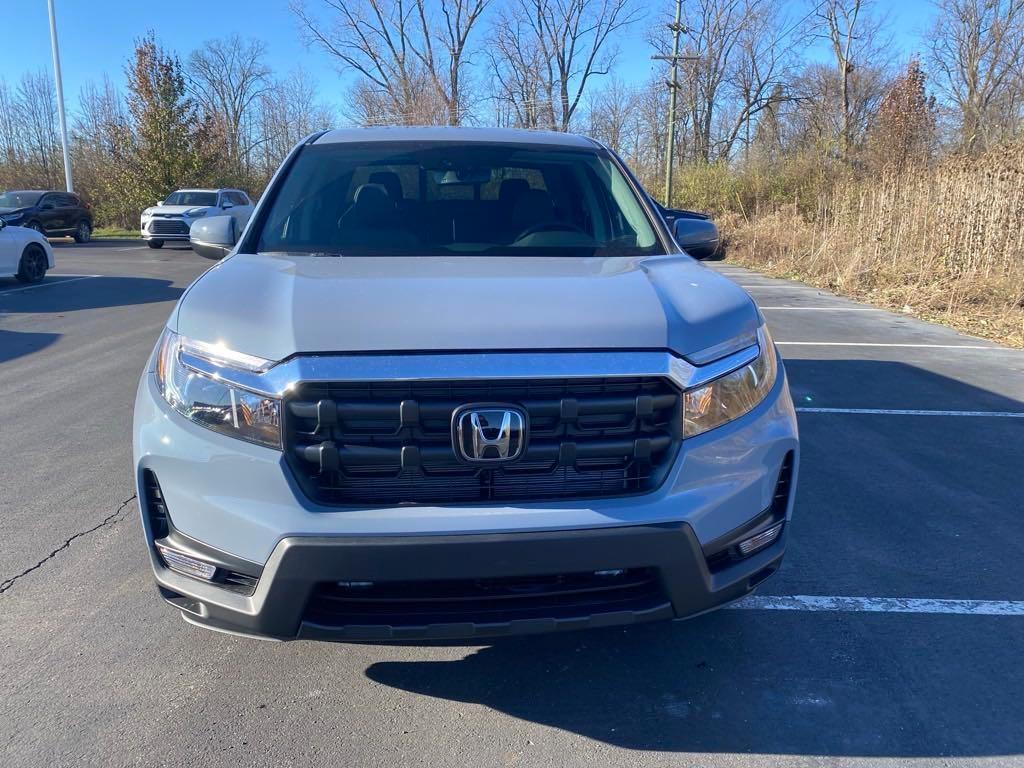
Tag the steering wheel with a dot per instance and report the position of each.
(551, 226)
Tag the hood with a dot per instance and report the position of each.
(274, 306)
(177, 209)
(4, 210)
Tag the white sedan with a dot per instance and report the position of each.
(24, 253)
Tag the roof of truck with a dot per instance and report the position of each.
(455, 135)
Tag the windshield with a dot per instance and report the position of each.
(191, 198)
(19, 199)
(442, 199)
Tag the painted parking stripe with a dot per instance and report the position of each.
(48, 284)
(910, 412)
(879, 605)
(886, 344)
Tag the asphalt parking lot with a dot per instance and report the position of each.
(893, 634)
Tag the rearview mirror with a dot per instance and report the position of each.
(698, 237)
(213, 237)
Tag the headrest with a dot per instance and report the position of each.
(391, 183)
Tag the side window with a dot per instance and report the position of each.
(237, 197)
(67, 201)
(47, 202)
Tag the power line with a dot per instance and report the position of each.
(677, 29)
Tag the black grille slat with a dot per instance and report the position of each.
(168, 227)
(390, 442)
(484, 600)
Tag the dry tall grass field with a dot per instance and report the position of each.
(945, 243)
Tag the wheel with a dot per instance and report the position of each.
(84, 232)
(37, 227)
(155, 243)
(33, 265)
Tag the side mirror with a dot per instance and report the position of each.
(213, 237)
(227, 204)
(3, 223)
(158, 203)
(47, 207)
(698, 237)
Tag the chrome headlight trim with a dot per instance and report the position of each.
(718, 401)
(211, 399)
(277, 380)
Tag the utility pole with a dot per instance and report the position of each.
(60, 98)
(673, 86)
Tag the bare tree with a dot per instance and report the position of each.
(855, 35)
(977, 57)
(412, 64)
(288, 112)
(226, 78)
(36, 113)
(549, 52)
(742, 63)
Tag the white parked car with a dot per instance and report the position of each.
(172, 219)
(24, 253)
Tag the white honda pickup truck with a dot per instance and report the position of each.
(455, 383)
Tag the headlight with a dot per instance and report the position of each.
(732, 395)
(195, 213)
(10, 218)
(212, 403)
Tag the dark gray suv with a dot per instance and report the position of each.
(53, 214)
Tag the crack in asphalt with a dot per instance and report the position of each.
(111, 519)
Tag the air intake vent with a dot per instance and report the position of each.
(154, 504)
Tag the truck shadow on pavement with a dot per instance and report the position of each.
(756, 682)
(14, 344)
(90, 293)
(55, 298)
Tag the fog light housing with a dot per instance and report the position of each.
(186, 564)
(760, 540)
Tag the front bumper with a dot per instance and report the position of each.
(239, 504)
(285, 607)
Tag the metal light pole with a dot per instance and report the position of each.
(60, 98)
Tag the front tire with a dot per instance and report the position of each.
(37, 227)
(155, 243)
(84, 232)
(33, 265)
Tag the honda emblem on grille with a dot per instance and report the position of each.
(489, 433)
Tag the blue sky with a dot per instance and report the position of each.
(96, 37)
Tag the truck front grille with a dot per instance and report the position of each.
(168, 227)
(391, 442)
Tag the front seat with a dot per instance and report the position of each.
(532, 209)
(372, 222)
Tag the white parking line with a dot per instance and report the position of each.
(71, 279)
(879, 605)
(885, 344)
(909, 412)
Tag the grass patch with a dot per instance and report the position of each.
(115, 232)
